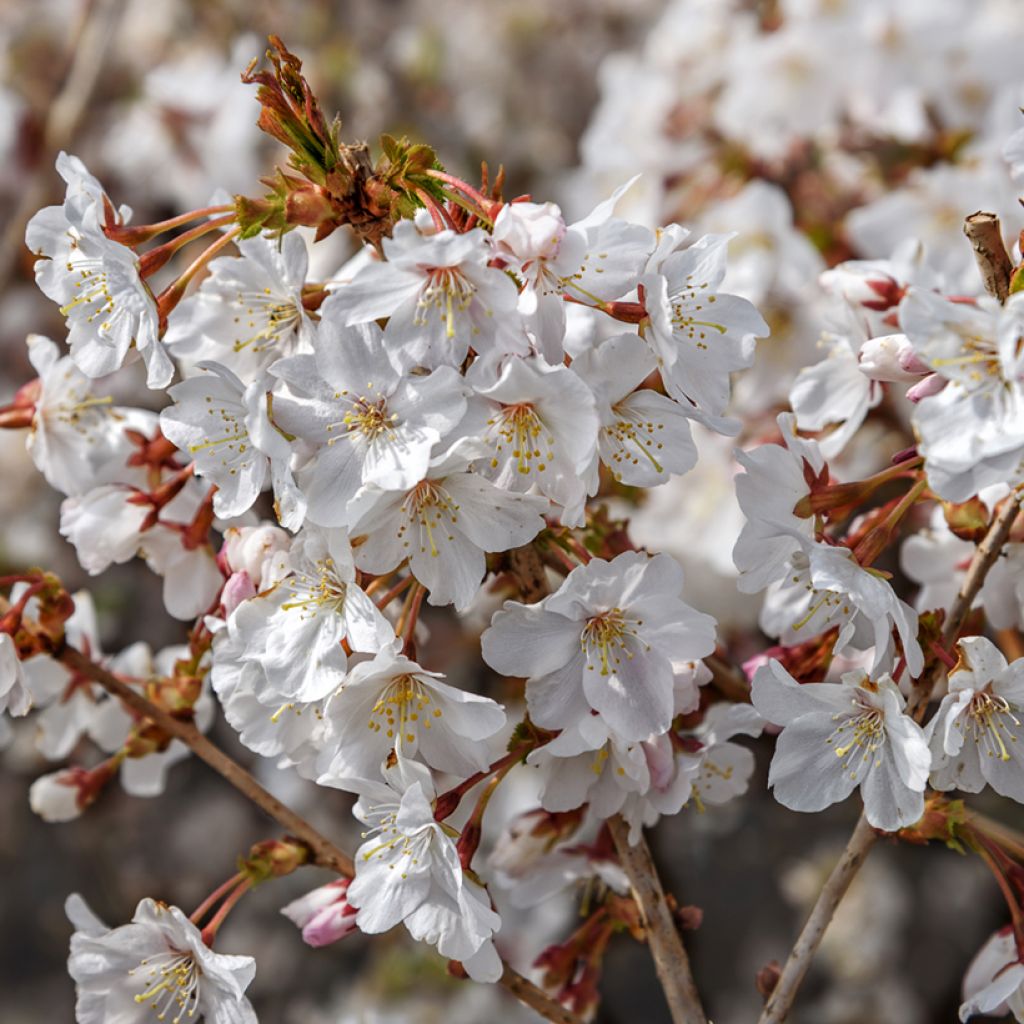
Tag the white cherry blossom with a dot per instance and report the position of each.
(367, 420)
(698, 335)
(994, 982)
(77, 439)
(408, 871)
(440, 295)
(838, 736)
(975, 733)
(606, 640)
(157, 966)
(15, 692)
(108, 307)
(444, 525)
(645, 436)
(248, 312)
(219, 423)
(776, 478)
(542, 431)
(826, 587)
(294, 631)
(391, 703)
(596, 259)
(972, 431)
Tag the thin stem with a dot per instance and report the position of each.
(880, 536)
(1002, 835)
(577, 549)
(388, 597)
(470, 208)
(670, 959)
(197, 915)
(414, 612)
(486, 205)
(135, 233)
(448, 802)
(526, 992)
(150, 262)
(439, 215)
(982, 847)
(565, 564)
(209, 933)
(172, 294)
(325, 853)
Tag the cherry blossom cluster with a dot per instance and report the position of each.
(465, 415)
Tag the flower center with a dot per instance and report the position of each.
(606, 639)
(833, 607)
(425, 508)
(270, 320)
(446, 291)
(367, 417)
(403, 707)
(318, 589)
(94, 298)
(857, 737)
(685, 307)
(395, 844)
(172, 982)
(633, 438)
(228, 423)
(987, 716)
(519, 429)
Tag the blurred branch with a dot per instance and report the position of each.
(98, 28)
(670, 959)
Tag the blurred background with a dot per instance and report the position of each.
(819, 130)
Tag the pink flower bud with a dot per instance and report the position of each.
(661, 760)
(324, 914)
(259, 551)
(529, 231)
(238, 588)
(863, 285)
(926, 387)
(891, 358)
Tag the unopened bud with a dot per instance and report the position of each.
(926, 387)
(891, 358)
(324, 915)
(238, 588)
(863, 285)
(62, 796)
(274, 858)
(259, 551)
(767, 978)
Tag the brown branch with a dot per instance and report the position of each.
(982, 231)
(526, 992)
(985, 557)
(799, 961)
(670, 959)
(325, 853)
(863, 838)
